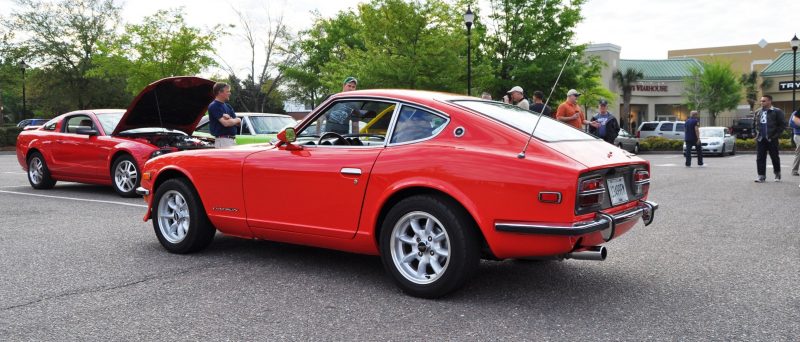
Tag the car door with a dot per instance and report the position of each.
(317, 189)
(730, 140)
(79, 155)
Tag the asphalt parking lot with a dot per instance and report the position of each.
(721, 262)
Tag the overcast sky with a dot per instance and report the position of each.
(644, 29)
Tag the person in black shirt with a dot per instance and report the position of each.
(538, 106)
(691, 138)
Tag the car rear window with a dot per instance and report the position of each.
(680, 127)
(548, 129)
(648, 126)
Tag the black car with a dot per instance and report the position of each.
(743, 128)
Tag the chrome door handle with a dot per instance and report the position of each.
(350, 171)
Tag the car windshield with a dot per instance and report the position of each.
(548, 129)
(711, 133)
(270, 124)
(109, 121)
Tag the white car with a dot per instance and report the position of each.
(716, 140)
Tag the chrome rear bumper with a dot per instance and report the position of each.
(602, 221)
(142, 191)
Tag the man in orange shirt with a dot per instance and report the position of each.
(570, 113)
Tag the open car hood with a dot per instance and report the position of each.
(175, 103)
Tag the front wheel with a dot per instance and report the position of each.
(125, 176)
(179, 219)
(733, 150)
(429, 245)
(722, 151)
(38, 173)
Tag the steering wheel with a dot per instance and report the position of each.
(339, 139)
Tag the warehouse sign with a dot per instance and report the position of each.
(787, 85)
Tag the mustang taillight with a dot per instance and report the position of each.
(641, 182)
(591, 191)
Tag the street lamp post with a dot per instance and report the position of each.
(795, 42)
(469, 18)
(23, 66)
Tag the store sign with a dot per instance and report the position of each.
(787, 85)
(643, 87)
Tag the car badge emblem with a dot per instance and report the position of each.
(610, 154)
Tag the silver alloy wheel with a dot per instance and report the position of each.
(125, 176)
(36, 170)
(173, 216)
(420, 247)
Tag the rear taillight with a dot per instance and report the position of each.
(641, 182)
(591, 191)
(637, 135)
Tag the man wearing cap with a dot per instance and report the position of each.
(570, 113)
(603, 124)
(517, 97)
(338, 119)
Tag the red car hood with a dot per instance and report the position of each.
(595, 153)
(175, 103)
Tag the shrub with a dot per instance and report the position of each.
(8, 135)
(660, 144)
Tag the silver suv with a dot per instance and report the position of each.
(666, 129)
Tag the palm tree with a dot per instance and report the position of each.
(751, 87)
(625, 80)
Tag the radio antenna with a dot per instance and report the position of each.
(521, 154)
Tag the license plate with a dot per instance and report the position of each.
(616, 190)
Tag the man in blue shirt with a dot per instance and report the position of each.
(769, 122)
(691, 138)
(222, 120)
(604, 125)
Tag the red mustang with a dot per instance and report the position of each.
(431, 182)
(109, 146)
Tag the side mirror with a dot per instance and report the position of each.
(287, 135)
(86, 131)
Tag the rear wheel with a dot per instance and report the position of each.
(429, 246)
(38, 173)
(125, 176)
(179, 219)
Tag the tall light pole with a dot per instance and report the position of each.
(23, 66)
(795, 42)
(469, 19)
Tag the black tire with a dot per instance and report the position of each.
(722, 151)
(460, 240)
(38, 173)
(733, 150)
(636, 148)
(198, 233)
(126, 179)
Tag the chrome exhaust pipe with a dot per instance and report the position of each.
(597, 253)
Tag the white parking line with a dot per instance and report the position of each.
(73, 198)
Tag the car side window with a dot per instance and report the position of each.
(416, 124)
(363, 119)
(680, 127)
(78, 121)
(203, 128)
(51, 125)
(648, 127)
(245, 127)
(666, 127)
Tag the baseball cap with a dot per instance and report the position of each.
(603, 102)
(573, 92)
(350, 79)
(516, 88)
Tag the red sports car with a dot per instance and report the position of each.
(431, 182)
(109, 146)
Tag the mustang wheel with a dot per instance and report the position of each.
(179, 220)
(429, 245)
(125, 175)
(38, 173)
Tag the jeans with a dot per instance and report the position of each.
(688, 152)
(796, 162)
(761, 157)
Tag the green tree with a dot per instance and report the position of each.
(752, 88)
(714, 87)
(163, 45)
(589, 85)
(62, 38)
(625, 81)
(530, 42)
(411, 45)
